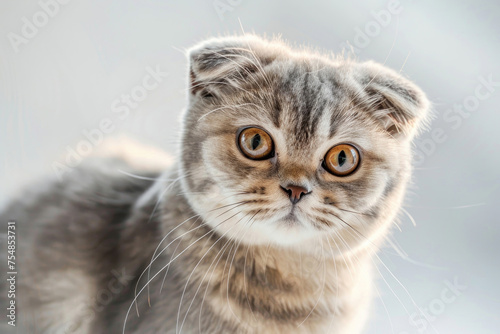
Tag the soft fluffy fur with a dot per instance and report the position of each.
(226, 255)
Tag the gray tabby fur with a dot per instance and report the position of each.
(226, 257)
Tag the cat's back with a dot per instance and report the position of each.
(68, 232)
(98, 193)
(102, 185)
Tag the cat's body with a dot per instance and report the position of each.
(81, 260)
(242, 253)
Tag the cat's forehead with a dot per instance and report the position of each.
(306, 104)
(307, 97)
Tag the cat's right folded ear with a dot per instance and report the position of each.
(222, 64)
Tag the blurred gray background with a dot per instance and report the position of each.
(61, 74)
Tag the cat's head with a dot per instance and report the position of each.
(281, 146)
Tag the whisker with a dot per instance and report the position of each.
(234, 205)
(406, 291)
(188, 280)
(140, 177)
(231, 264)
(224, 107)
(163, 194)
(342, 220)
(218, 258)
(169, 262)
(355, 212)
(391, 289)
(153, 258)
(322, 288)
(409, 216)
(336, 277)
(244, 283)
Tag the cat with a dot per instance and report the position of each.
(292, 169)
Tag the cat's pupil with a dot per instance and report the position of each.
(342, 158)
(256, 141)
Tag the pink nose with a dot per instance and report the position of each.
(295, 192)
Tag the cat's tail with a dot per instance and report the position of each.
(139, 156)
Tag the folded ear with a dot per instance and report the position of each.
(399, 106)
(221, 64)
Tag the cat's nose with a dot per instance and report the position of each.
(295, 192)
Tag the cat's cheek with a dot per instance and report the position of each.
(358, 191)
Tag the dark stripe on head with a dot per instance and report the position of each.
(276, 110)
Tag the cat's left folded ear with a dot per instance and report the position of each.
(397, 104)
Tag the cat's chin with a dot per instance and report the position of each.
(287, 231)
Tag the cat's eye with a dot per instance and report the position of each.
(342, 160)
(255, 143)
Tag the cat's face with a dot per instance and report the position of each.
(281, 147)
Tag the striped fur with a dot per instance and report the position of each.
(231, 253)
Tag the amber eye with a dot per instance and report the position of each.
(342, 160)
(255, 143)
